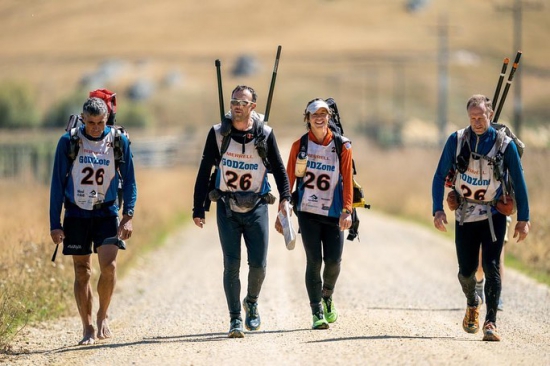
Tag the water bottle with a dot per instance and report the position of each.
(301, 164)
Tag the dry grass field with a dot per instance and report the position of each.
(34, 288)
(378, 60)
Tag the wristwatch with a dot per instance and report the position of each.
(129, 213)
(345, 210)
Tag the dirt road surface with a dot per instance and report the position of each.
(398, 297)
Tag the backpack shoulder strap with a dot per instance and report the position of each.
(338, 142)
(303, 143)
(118, 150)
(74, 143)
(463, 149)
(225, 131)
(260, 141)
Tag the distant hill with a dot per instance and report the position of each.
(377, 58)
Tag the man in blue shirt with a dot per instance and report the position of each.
(91, 162)
(484, 159)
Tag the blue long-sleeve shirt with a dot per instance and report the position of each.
(59, 194)
(481, 144)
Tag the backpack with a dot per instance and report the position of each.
(259, 142)
(506, 203)
(259, 137)
(75, 122)
(335, 126)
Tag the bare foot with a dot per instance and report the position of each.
(103, 330)
(88, 336)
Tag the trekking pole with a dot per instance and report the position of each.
(507, 87)
(272, 86)
(220, 89)
(500, 80)
(55, 252)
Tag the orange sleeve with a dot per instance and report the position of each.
(346, 170)
(291, 164)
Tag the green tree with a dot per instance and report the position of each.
(17, 106)
(59, 114)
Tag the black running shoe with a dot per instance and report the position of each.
(252, 319)
(236, 328)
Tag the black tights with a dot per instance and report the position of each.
(323, 242)
(469, 238)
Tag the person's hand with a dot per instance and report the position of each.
(283, 205)
(440, 220)
(278, 226)
(57, 236)
(199, 221)
(522, 230)
(125, 228)
(345, 221)
(452, 200)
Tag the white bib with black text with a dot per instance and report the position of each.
(321, 178)
(93, 170)
(477, 183)
(241, 171)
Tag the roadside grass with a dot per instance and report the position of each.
(32, 288)
(399, 181)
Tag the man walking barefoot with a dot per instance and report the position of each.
(85, 180)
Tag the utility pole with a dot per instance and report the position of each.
(442, 75)
(518, 7)
(398, 101)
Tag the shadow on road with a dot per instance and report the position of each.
(415, 309)
(362, 338)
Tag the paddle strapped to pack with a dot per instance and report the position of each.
(75, 122)
(335, 126)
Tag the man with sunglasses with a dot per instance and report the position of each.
(240, 147)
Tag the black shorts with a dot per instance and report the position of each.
(80, 233)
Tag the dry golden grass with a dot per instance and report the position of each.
(31, 286)
(399, 182)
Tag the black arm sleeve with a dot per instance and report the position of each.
(210, 156)
(277, 167)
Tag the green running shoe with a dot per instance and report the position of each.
(236, 328)
(331, 314)
(319, 321)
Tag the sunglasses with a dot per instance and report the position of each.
(242, 103)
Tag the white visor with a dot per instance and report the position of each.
(316, 105)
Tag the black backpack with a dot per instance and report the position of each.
(259, 142)
(338, 131)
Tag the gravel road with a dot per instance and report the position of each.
(398, 296)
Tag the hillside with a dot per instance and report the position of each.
(378, 59)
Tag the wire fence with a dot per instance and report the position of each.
(34, 161)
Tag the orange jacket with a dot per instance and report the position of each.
(346, 167)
